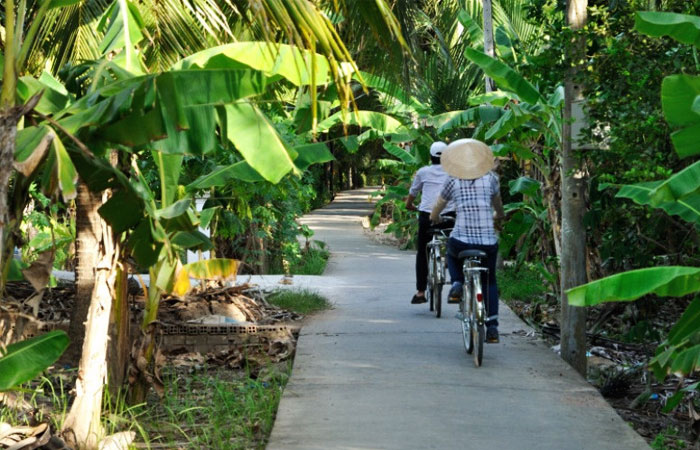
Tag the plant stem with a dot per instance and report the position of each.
(9, 81)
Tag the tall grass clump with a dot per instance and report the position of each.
(302, 301)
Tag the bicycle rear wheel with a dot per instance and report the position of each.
(465, 309)
(478, 329)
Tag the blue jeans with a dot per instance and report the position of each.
(455, 246)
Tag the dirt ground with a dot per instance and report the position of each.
(266, 361)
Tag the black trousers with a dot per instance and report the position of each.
(424, 237)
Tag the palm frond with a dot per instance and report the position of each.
(177, 28)
(68, 35)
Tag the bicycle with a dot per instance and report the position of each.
(473, 306)
(437, 266)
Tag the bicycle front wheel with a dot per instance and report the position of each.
(431, 278)
(478, 334)
(436, 295)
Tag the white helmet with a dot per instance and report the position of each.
(437, 148)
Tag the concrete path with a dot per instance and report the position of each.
(379, 373)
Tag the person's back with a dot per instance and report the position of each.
(474, 189)
(473, 204)
(428, 182)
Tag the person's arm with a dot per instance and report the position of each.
(409, 202)
(437, 209)
(497, 204)
(416, 188)
(500, 215)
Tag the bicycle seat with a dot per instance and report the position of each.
(471, 254)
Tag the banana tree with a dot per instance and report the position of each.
(176, 111)
(678, 195)
(520, 122)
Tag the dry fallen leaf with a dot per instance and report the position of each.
(39, 272)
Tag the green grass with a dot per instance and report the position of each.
(217, 409)
(524, 283)
(49, 397)
(668, 439)
(301, 301)
(313, 261)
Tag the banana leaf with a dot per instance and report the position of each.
(688, 208)
(54, 97)
(309, 154)
(122, 211)
(64, 171)
(121, 25)
(512, 119)
(505, 77)
(458, 119)
(524, 185)
(273, 59)
(222, 175)
(257, 139)
(211, 269)
(169, 169)
(400, 153)
(678, 99)
(192, 240)
(369, 119)
(31, 145)
(682, 27)
(678, 186)
(24, 360)
(666, 281)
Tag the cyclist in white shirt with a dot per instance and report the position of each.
(428, 182)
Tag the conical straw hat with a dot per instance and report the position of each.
(467, 159)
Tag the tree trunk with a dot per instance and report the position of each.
(9, 116)
(119, 334)
(488, 38)
(8, 132)
(573, 208)
(82, 427)
(88, 229)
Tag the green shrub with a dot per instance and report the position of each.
(522, 282)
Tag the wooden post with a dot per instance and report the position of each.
(573, 209)
(488, 38)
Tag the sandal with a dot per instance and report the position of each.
(418, 299)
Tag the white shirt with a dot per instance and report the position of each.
(429, 180)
